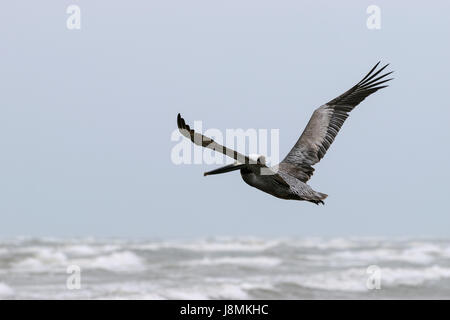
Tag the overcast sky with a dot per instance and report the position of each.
(87, 115)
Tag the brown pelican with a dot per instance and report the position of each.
(288, 179)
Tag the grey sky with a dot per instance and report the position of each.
(86, 116)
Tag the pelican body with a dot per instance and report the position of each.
(287, 180)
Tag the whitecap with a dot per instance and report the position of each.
(81, 250)
(220, 291)
(44, 259)
(89, 250)
(378, 255)
(355, 279)
(216, 245)
(258, 261)
(5, 290)
(117, 261)
(413, 277)
(323, 244)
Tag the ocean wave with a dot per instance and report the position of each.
(355, 279)
(52, 260)
(41, 261)
(378, 255)
(151, 291)
(89, 250)
(225, 268)
(441, 250)
(5, 290)
(252, 244)
(258, 261)
(225, 291)
(229, 245)
(413, 277)
(446, 252)
(323, 244)
(81, 250)
(420, 254)
(352, 280)
(206, 288)
(124, 261)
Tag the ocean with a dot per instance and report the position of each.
(225, 268)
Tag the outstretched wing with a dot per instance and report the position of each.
(325, 124)
(206, 142)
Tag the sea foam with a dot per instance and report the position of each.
(5, 290)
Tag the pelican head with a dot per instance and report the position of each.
(256, 159)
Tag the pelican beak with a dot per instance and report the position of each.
(228, 168)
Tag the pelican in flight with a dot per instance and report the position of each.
(288, 179)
